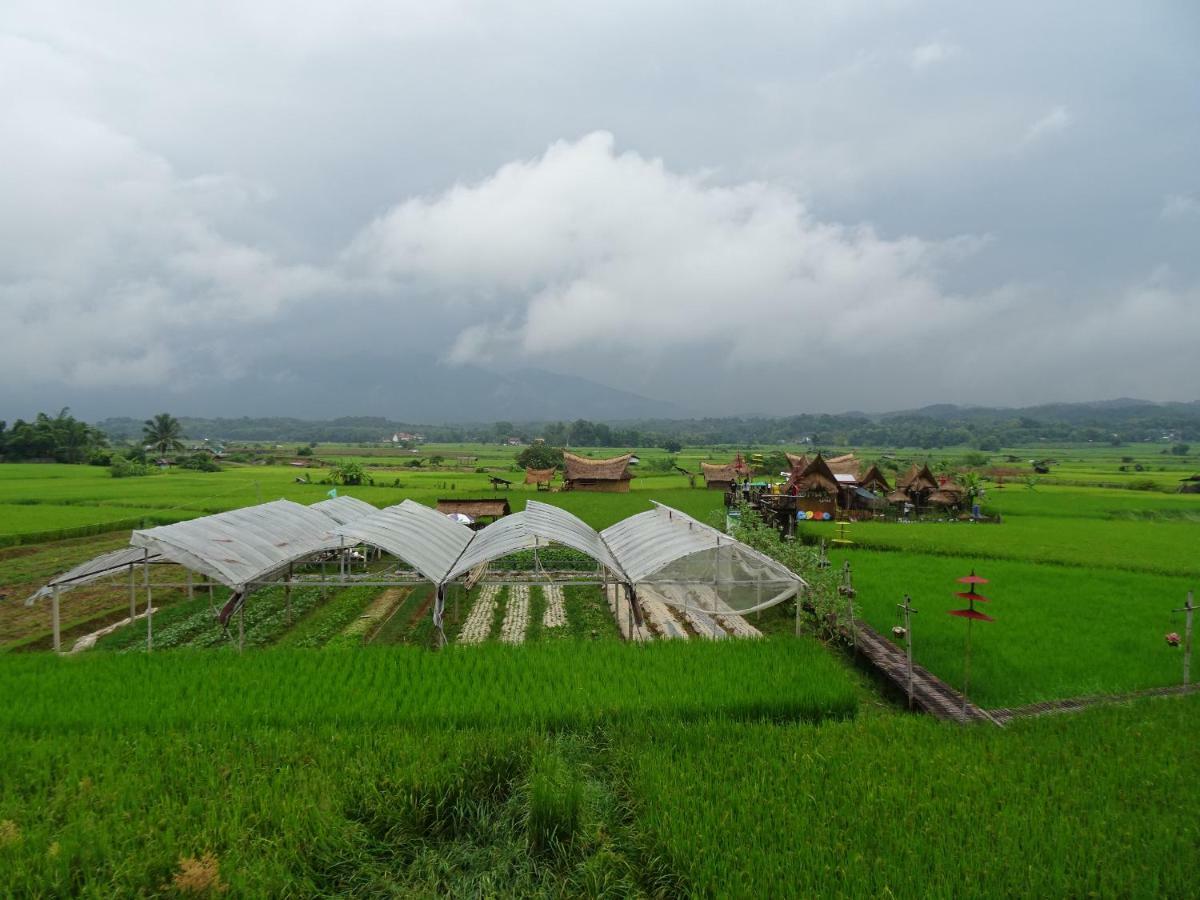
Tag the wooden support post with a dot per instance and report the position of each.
(54, 621)
(906, 606)
(149, 601)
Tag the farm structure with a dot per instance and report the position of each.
(608, 475)
(820, 488)
(669, 556)
(540, 478)
(474, 510)
(722, 477)
(1190, 485)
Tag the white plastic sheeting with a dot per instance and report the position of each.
(664, 547)
(540, 524)
(345, 509)
(661, 548)
(422, 537)
(242, 546)
(93, 570)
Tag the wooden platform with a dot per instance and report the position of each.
(930, 694)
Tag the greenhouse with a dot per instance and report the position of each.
(662, 554)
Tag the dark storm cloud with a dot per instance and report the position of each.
(678, 199)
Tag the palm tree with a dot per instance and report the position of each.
(163, 433)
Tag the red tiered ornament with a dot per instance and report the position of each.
(971, 614)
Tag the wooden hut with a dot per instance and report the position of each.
(918, 482)
(477, 510)
(609, 475)
(541, 478)
(718, 478)
(721, 477)
(873, 480)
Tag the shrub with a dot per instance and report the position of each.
(100, 458)
(127, 468)
(199, 462)
(304, 451)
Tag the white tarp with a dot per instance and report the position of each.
(343, 509)
(239, 547)
(422, 537)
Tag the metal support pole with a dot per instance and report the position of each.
(242, 626)
(149, 601)
(54, 622)
(191, 593)
(287, 593)
(132, 593)
(966, 670)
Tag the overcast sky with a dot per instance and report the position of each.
(777, 207)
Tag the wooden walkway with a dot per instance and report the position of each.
(930, 693)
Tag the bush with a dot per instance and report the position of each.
(304, 451)
(1143, 485)
(127, 468)
(100, 458)
(199, 462)
(540, 456)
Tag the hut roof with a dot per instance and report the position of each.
(740, 465)
(815, 476)
(582, 468)
(713, 472)
(844, 465)
(475, 508)
(796, 462)
(898, 497)
(539, 476)
(874, 479)
(943, 498)
(917, 478)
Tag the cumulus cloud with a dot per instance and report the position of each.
(587, 250)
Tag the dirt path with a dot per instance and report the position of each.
(377, 613)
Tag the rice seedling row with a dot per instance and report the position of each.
(516, 615)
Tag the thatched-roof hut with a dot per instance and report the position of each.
(943, 498)
(610, 475)
(917, 479)
(847, 464)
(898, 497)
(540, 477)
(874, 480)
(796, 462)
(475, 509)
(816, 477)
(718, 478)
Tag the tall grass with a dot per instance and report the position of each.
(1100, 804)
(550, 684)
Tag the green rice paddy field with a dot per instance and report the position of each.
(576, 765)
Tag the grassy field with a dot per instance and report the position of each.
(339, 757)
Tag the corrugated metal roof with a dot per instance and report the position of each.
(245, 545)
(422, 537)
(345, 509)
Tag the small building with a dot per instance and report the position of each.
(608, 475)
(918, 483)
(815, 487)
(1190, 485)
(717, 478)
(540, 478)
(480, 512)
(721, 477)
